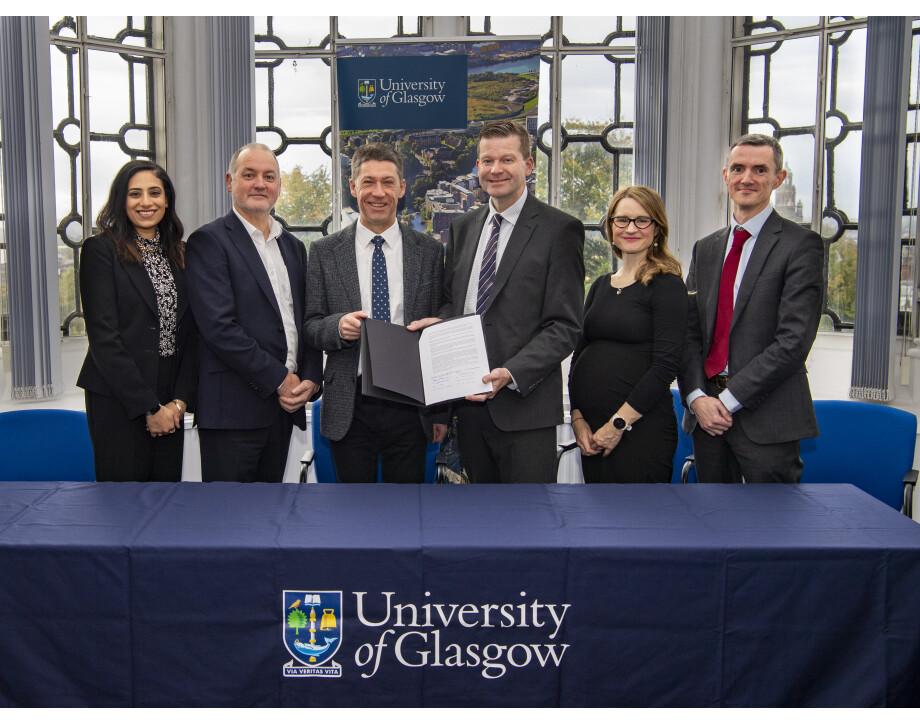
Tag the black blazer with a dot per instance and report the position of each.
(123, 327)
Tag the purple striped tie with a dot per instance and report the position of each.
(487, 268)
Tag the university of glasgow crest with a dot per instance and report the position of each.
(367, 89)
(312, 632)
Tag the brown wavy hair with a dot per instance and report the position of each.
(504, 129)
(658, 259)
(113, 217)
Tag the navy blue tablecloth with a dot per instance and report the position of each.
(181, 594)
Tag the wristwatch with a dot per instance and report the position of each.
(154, 410)
(619, 423)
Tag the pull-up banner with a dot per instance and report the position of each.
(428, 100)
(409, 92)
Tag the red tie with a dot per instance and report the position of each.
(718, 353)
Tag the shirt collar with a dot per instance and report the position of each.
(364, 236)
(510, 214)
(755, 223)
(273, 233)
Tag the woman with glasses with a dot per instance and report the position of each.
(140, 370)
(630, 349)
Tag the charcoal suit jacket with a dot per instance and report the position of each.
(534, 313)
(774, 323)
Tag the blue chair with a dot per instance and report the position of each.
(43, 444)
(321, 455)
(866, 444)
(683, 454)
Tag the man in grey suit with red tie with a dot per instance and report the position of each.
(375, 268)
(246, 278)
(518, 263)
(755, 303)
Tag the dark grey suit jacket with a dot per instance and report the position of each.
(774, 324)
(535, 310)
(333, 291)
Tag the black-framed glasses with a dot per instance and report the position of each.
(641, 222)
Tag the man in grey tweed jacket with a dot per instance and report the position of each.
(339, 296)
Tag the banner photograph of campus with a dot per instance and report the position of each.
(439, 165)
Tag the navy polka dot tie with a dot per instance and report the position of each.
(380, 287)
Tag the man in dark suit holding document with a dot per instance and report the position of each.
(518, 263)
(385, 270)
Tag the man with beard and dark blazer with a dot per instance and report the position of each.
(755, 303)
(376, 268)
(518, 263)
(246, 279)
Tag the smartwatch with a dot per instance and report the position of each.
(619, 423)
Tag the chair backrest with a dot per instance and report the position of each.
(684, 441)
(322, 453)
(323, 466)
(866, 444)
(45, 445)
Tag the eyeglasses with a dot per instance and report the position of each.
(641, 222)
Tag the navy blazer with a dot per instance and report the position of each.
(243, 347)
(123, 329)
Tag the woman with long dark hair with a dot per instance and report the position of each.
(630, 349)
(140, 371)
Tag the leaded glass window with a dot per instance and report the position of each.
(800, 79)
(589, 63)
(107, 77)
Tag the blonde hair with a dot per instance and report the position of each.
(658, 259)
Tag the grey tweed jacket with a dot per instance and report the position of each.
(333, 291)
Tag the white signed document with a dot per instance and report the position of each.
(453, 358)
(444, 361)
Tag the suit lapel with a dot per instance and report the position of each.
(520, 235)
(766, 240)
(247, 249)
(709, 274)
(412, 267)
(137, 273)
(347, 265)
(293, 266)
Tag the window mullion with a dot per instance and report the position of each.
(817, 192)
(555, 114)
(85, 185)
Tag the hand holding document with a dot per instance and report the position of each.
(444, 361)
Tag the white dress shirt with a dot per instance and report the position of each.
(274, 264)
(509, 219)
